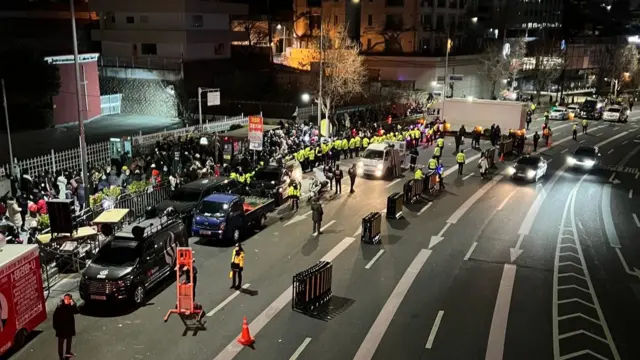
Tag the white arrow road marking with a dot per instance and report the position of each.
(298, 218)
(635, 218)
(613, 180)
(437, 238)
(527, 223)
(635, 272)
(515, 252)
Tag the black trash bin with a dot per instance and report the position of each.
(394, 206)
(371, 225)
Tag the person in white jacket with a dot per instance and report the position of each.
(13, 212)
(484, 166)
(61, 181)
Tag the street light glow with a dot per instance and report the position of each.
(635, 39)
(306, 97)
(474, 19)
(279, 27)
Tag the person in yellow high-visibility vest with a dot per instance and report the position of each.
(294, 195)
(437, 152)
(461, 159)
(352, 147)
(357, 146)
(237, 266)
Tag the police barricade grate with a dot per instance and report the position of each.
(394, 205)
(371, 228)
(412, 190)
(432, 182)
(312, 287)
(490, 155)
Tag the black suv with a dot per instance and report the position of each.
(137, 258)
(185, 199)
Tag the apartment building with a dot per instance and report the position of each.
(390, 26)
(179, 29)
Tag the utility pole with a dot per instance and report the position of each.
(6, 117)
(83, 143)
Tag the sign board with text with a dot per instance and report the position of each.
(213, 97)
(256, 132)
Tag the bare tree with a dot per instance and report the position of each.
(258, 30)
(517, 53)
(391, 40)
(613, 61)
(343, 69)
(548, 65)
(494, 65)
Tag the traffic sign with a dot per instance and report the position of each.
(454, 77)
(256, 132)
(213, 97)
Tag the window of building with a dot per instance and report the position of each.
(440, 23)
(395, 3)
(144, 19)
(131, 20)
(425, 20)
(196, 21)
(424, 43)
(335, 20)
(463, 4)
(149, 49)
(393, 22)
(442, 3)
(219, 49)
(453, 4)
(370, 20)
(369, 43)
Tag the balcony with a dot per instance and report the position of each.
(171, 36)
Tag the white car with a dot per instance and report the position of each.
(559, 113)
(615, 113)
(573, 109)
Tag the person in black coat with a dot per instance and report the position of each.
(316, 216)
(64, 323)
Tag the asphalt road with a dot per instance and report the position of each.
(490, 269)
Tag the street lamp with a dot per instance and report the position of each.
(306, 97)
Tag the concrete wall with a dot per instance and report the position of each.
(65, 104)
(151, 97)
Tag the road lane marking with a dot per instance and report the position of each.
(550, 160)
(473, 199)
(564, 151)
(376, 332)
(635, 218)
(626, 141)
(231, 350)
(473, 247)
(300, 349)
(394, 182)
(598, 134)
(227, 300)
(610, 229)
(610, 151)
(424, 208)
(504, 202)
(358, 232)
(636, 177)
(631, 194)
(434, 330)
(498, 331)
(328, 224)
(527, 223)
(468, 176)
(370, 264)
(581, 141)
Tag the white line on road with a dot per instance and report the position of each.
(609, 227)
(564, 151)
(473, 247)
(227, 300)
(550, 160)
(446, 226)
(393, 182)
(374, 336)
(506, 200)
(300, 349)
(468, 176)
(370, 264)
(636, 177)
(498, 331)
(631, 194)
(358, 232)
(626, 141)
(598, 134)
(610, 151)
(527, 223)
(424, 208)
(434, 330)
(328, 224)
(635, 218)
(472, 200)
(231, 350)
(581, 141)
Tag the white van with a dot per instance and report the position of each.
(379, 160)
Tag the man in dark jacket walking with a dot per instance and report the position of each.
(352, 177)
(316, 216)
(64, 323)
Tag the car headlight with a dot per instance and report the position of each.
(359, 171)
(378, 173)
(531, 173)
(379, 167)
(360, 165)
(589, 163)
(571, 161)
(511, 170)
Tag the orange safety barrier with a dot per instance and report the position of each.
(189, 311)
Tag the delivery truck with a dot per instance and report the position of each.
(473, 113)
(22, 303)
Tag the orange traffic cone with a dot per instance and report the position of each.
(502, 157)
(245, 338)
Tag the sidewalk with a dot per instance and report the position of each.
(67, 285)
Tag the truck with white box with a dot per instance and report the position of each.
(474, 113)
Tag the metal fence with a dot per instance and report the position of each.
(154, 63)
(110, 104)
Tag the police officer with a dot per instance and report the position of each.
(237, 266)
(585, 125)
(414, 158)
(294, 195)
(440, 142)
(461, 159)
(418, 175)
(437, 152)
(574, 131)
(432, 165)
(338, 175)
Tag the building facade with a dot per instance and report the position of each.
(178, 29)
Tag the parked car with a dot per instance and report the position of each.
(616, 113)
(559, 113)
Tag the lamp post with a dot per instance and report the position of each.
(320, 77)
(6, 117)
(83, 143)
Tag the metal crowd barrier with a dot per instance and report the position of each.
(371, 228)
(395, 205)
(312, 287)
(506, 146)
(413, 189)
(490, 155)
